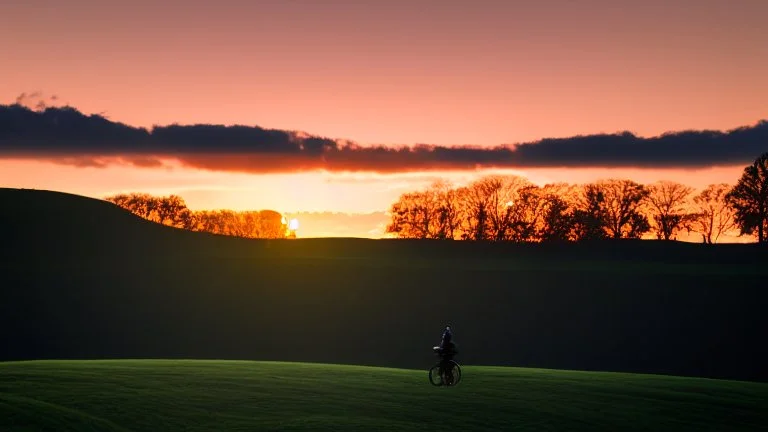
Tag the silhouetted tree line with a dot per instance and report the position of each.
(172, 211)
(511, 208)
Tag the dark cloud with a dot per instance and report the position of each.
(68, 136)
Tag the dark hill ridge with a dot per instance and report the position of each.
(85, 226)
(82, 278)
(49, 223)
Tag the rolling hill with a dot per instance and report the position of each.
(83, 279)
(130, 395)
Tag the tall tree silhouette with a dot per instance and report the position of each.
(475, 200)
(749, 199)
(527, 213)
(558, 213)
(418, 215)
(614, 206)
(590, 216)
(712, 216)
(667, 203)
(173, 211)
(449, 211)
(496, 197)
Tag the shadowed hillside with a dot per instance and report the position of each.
(82, 278)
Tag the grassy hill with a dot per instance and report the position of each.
(82, 279)
(131, 395)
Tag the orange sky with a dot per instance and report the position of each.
(352, 193)
(398, 72)
(394, 72)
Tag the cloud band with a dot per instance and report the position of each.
(67, 136)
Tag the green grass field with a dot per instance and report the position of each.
(170, 395)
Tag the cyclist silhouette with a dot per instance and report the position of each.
(446, 350)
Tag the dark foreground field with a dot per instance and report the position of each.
(226, 395)
(80, 278)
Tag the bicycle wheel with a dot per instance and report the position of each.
(434, 375)
(453, 374)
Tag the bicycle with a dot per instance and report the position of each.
(445, 372)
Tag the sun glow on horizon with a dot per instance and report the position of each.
(302, 191)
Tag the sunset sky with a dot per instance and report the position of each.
(384, 73)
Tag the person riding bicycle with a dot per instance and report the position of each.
(446, 350)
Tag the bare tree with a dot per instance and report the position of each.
(250, 224)
(712, 216)
(207, 221)
(141, 204)
(173, 211)
(749, 199)
(419, 214)
(407, 217)
(474, 201)
(449, 211)
(558, 222)
(526, 215)
(667, 203)
(614, 206)
(559, 201)
(570, 194)
(490, 200)
(589, 218)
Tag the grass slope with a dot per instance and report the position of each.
(150, 395)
